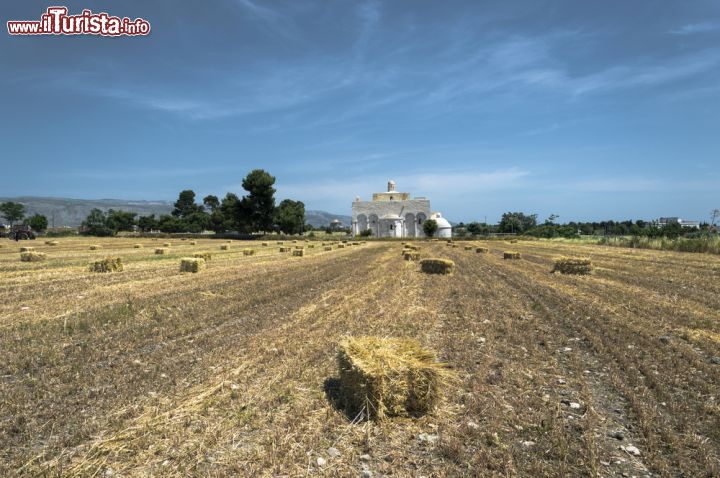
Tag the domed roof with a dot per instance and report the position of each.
(441, 221)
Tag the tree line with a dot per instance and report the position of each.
(254, 212)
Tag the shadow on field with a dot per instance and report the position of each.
(331, 386)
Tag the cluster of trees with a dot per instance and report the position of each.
(527, 224)
(14, 212)
(256, 211)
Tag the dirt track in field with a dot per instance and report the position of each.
(150, 372)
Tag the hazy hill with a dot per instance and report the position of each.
(71, 212)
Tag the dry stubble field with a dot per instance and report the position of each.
(231, 371)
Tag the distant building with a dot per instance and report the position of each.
(336, 224)
(395, 214)
(666, 221)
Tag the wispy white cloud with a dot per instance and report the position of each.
(693, 28)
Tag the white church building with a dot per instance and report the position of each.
(396, 214)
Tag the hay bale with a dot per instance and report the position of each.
(138, 246)
(285, 249)
(510, 255)
(279, 243)
(32, 256)
(573, 265)
(513, 241)
(167, 244)
(412, 247)
(411, 256)
(192, 264)
(109, 264)
(482, 250)
(437, 266)
(224, 247)
(468, 248)
(341, 246)
(193, 243)
(299, 247)
(51, 243)
(160, 251)
(206, 256)
(95, 247)
(328, 248)
(299, 252)
(311, 246)
(183, 238)
(248, 252)
(386, 377)
(27, 249)
(265, 244)
(355, 243)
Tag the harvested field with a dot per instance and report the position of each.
(156, 373)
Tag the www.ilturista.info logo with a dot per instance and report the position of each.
(56, 21)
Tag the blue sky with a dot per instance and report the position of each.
(586, 109)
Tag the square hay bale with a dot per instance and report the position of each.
(32, 256)
(167, 244)
(454, 245)
(285, 249)
(183, 238)
(311, 246)
(137, 246)
(206, 256)
(299, 247)
(513, 241)
(160, 251)
(412, 247)
(341, 246)
(573, 265)
(52, 243)
(510, 255)
(109, 264)
(224, 247)
(405, 251)
(265, 244)
(279, 243)
(193, 243)
(468, 248)
(437, 266)
(95, 247)
(294, 242)
(299, 252)
(481, 250)
(386, 377)
(411, 256)
(355, 243)
(328, 248)
(248, 252)
(192, 264)
(27, 249)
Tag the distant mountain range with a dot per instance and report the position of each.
(71, 212)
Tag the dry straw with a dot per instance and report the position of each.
(481, 250)
(437, 266)
(192, 264)
(412, 256)
(386, 377)
(95, 247)
(511, 255)
(299, 252)
(206, 256)
(573, 265)
(109, 264)
(27, 249)
(32, 256)
(248, 252)
(160, 251)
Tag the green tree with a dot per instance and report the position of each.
(211, 203)
(12, 211)
(185, 205)
(430, 227)
(147, 223)
(257, 209)
(95, 224)
(38, 222)
(117, 220)
(290, 216)
(517, 222)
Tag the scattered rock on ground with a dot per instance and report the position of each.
(333, 452)
(427, 437)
